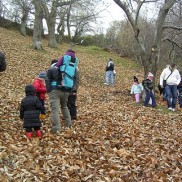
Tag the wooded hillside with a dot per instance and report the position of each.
(113, 139)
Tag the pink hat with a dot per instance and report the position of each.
(150, 75)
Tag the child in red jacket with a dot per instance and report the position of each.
(41, 91)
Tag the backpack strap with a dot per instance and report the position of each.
(169, 75)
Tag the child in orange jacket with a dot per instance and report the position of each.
(41, 91)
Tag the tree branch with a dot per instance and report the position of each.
(172, 27)
(172, 41)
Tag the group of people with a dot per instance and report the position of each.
(170, 86)
(32, 108)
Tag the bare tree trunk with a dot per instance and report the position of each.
(61, 27)
(23, 23)
(37, 26)
(51, 30)
(68, 22)
(50, 18)
(149, 56)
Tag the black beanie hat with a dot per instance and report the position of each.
(135, 79)
(29, 89)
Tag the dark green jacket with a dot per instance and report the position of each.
(148, 84)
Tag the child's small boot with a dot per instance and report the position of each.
(29, 135)
(38, 133)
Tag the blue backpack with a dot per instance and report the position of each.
(68, 69)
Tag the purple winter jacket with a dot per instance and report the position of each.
(69, 53)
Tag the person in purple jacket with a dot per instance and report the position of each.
(69, 52)
(73, 92)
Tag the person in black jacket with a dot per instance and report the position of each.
(2, 62)
(110, 73)
(29, 112)
(148, 87)
(73, 96)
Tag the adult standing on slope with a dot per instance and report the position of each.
(172, 78)
(110, 73)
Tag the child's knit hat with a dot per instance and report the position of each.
(150, 75)
(29, 90)
(135, 79)
(42, 74)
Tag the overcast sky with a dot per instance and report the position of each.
(113, 12)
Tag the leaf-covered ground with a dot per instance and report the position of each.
(113, 140)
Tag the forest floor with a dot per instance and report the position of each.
(113, 139)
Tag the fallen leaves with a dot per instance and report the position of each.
(113, 140)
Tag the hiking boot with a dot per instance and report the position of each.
(55, 131)
(29, 135)
(73, 118)
(38, 133)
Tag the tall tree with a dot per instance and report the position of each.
(50, 11)
(149, 53)
(21, 11)
(37, 25)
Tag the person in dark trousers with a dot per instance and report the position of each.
(148, 88)
(30, 109)
(58, 95)
(2, 62)
(73, 97)
(110, 73)
(180, 93)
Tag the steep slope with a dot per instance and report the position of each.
(113, 140)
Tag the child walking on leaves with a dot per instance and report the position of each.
(40, 89)
(136, 89)
(30, 109)
(148, 87)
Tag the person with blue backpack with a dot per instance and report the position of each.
(68, 65)
(60, 82)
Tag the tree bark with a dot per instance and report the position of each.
(37, 26)
(24, 23)
(150, 57)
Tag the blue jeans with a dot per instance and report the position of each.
(171, 92)
(110, 77)
(149, 94)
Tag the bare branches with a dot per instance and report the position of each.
(172, 27)
(173, 42)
